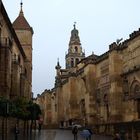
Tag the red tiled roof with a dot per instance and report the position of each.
(21, 23)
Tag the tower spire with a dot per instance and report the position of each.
(74, 25)
(74, 35)
(58, 65)
(21, 11)
(58, 62)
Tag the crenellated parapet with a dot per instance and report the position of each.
(113, 46)
(134, 34)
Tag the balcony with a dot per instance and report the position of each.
(5, 42)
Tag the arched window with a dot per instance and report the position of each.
(72, 62)
(76, 49)
(137, 95)
(137, 89)
(105, 99)
(135, 92)
(77, 60)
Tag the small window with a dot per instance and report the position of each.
(25, 72)
(72, 62)
(19, 59)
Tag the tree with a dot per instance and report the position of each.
(35, 112)
(18, 108)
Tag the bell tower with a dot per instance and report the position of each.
(25, 32)
(75, 53)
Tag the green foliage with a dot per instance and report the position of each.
(3, 106)
(34, 110)
(19, 108)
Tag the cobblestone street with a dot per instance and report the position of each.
(58, 135)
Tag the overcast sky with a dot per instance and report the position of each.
(100, 22)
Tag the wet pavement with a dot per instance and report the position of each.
(56, 135)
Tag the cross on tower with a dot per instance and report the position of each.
(74, 25)
(21, 3)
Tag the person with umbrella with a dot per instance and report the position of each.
(75, 131)
(86, 134)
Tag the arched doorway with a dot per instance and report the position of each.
(135, 92)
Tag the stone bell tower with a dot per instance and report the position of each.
(75, 53)
(25, 32)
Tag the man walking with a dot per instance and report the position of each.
(75, 131)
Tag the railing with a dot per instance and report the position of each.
(5, 41)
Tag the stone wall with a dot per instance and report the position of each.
(7, 127)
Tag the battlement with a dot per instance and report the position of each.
(134, 34)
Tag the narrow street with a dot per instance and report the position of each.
(58, 135)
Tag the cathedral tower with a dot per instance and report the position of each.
(25, 32)
(75, 53)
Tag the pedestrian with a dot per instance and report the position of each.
(75, 131)
(117, 137)
(91, 133)
(16, 131)
(86, 134)
(40, 122)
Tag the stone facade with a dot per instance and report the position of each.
(15, 57)
(100, 91)
(15, 60)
